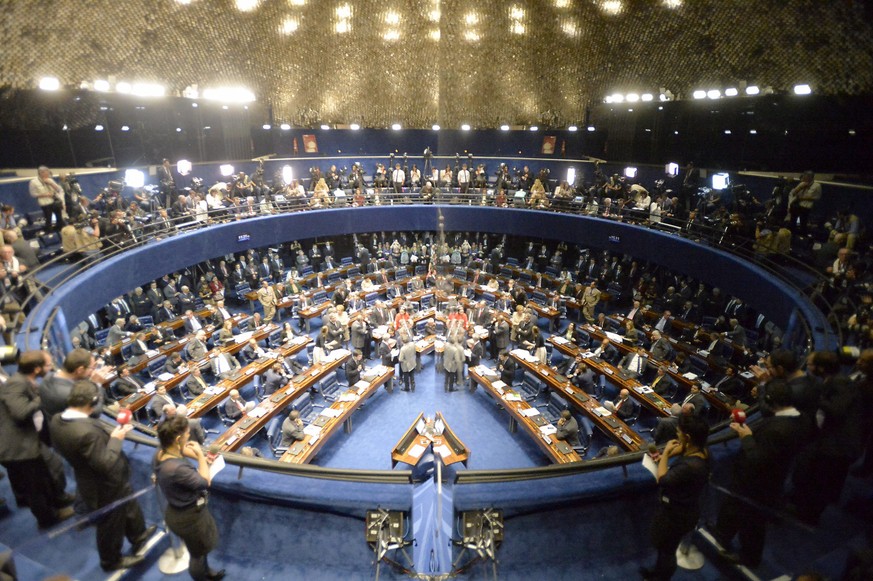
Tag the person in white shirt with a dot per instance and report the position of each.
(414, 176)
(398, 177)
(50, 197)
(464, 178)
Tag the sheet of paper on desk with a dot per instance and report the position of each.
(442, 450)
(602, 411)
(151, 353)
(244, 337)
(362, 383)
(311, 430)
(747, 375)
(348, 397)
(512, 397)
(149, 387)
(498, 384)
(530, 412)
(165, 376)
(689, 375)
(213, 390)
(548, 429)
(257, 412)
(588, 354)
(560, 340)
(380, 330)
(643, 389)
(614, 337)
(298, 340)
(416, 450)
(216, 466)
(331, 412)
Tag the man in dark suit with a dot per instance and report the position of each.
(155, 296)
(581, 375)
(635, 362)
(35, 472)
(353, 367)
(696, 399)
(251, 352)
(235, 405)
(499, 337)
(196, 348)
(160, 400)
(275, 378)
(192, 322)
(102, 475)
(732, 385)
(663, 383)
(767, 451)
(140, 303)
(127, 384)
(195, 382)
(624, 406)
(292, 429)
(506, 367)
(568, 427)
(165, 313)
(606, 351)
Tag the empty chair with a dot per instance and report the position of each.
(525, 277)
(489, 298)
(401, 272)
(319, 297)
(346, 260)
(538, 297)
(333, 277)
(308, 410)
(427, 301)
(274, 435)
(156, 366)
(420, 270)
(583, 338)
(552, 409)
(699, 365)
(147, 321)
(100, 336)
(274, 339)
(354, 271)
(583, 439)
(505, 272)
(244, 325)
(552, 271)
(239, 293)
(126, 351)
(371, 298)
(307, 270)
(530, 386)
(460, 273)
(513, 261)
(222, 414)
(330, 387)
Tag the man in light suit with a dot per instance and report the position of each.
(195, 382)
(224, 364)
(116, 333)
(267, 298)
(159, 400)
(660, 348)
(407, 359)
(590, 298)
(196, 348)
(453, 363)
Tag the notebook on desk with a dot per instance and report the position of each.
(247, 423)
(611, 421)
(296, 449)
(563, 447)
(321, 421)
(539, 420)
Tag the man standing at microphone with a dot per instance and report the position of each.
(102, 475)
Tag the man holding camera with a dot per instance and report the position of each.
(49, 196)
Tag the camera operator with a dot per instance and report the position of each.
(525, 179)
(480, 177)
(332, 178)
(503, 178)
(82, 236)
(116, 228)
(380, 177)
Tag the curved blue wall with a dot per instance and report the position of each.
(92, 289)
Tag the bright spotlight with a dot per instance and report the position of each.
(572, 128)
(125, 128)
(720, 181)
(266, 126)
(465, 127)
(647, 97)
(183, 166)
(435, 127)
(672, 169)
(98, 128)
(591, 129)
(229, 94)
(247, 5)
(396, 127)
(325, 127)
(571, 176)
(617, 98)
(123, 87)
(713, 94)
(284, 127)
(752, 90)
(699, 94)
(49, 84)
(471, 18)
(533, 128)
(226, 170)
(504, 127)
(134, 178)
(354, 126)
(147, 90)
(632, 97)
(287, 175)
(802, 89)
(101, 85)
(630, 172)
(753, 131)
(731, 92)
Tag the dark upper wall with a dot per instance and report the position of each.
(94, 288)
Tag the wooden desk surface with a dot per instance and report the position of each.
(139, 400)
(413, 445)
(516, 410)
(251, 423)
(649, 400)
(304, 451)
(200, 405)
(609, 424)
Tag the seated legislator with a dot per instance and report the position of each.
(235, 405)
(252, 352)
(630, 333)
(663, 383)
(606, 351)
(159, 400)
(224, 365)
(127, 384)
(635, 362)
(581, 375)
(568, 427)
(195, 382)
(292, 429)
(174, 364)
(623, 407)
(196, 348)
(275, 378)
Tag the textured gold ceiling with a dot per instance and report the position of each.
(420, 62)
